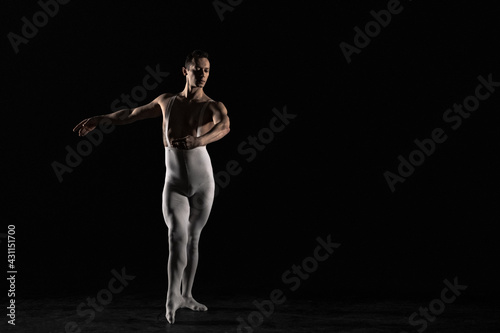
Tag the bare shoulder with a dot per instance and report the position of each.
(162, 100)
(217, 106)
(163, 97)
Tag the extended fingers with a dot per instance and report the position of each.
(83, 131)
(80, 128)
(80, 124)
(181, 143)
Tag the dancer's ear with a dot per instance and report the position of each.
(184, 71)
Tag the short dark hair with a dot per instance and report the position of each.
(195, 55)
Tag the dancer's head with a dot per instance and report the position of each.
(196, 68)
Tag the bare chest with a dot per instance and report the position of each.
(183, 119)
(184, 116)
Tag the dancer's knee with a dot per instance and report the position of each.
(177, 237)
(193, 241)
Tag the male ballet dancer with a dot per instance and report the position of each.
(191, 120)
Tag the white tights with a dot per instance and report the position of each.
(188, 195)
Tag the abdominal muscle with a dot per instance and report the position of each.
(204, 129)
(181, 126)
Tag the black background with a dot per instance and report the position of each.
(322, 175)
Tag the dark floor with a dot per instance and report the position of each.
(141, 313)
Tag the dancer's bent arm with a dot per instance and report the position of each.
(221, 128)
(122, 117)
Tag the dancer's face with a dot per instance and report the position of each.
(198, 72)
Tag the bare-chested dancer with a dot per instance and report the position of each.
(191, 120)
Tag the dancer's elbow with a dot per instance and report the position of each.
(225, 128)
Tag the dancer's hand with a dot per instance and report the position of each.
(187, 142)
(87, 125)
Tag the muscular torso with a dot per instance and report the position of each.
(184, 116)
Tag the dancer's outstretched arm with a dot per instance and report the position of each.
(122, 117)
